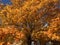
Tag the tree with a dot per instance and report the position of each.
(38, 20)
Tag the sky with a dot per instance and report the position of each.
(5, 1)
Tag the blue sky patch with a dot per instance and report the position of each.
(6, 2)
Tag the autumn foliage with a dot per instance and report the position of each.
(29, 20)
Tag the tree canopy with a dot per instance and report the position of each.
(37, 20)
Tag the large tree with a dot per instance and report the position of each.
(39, 20)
